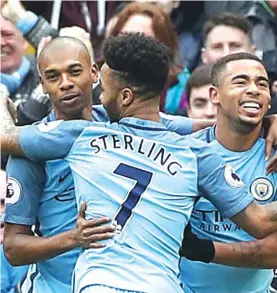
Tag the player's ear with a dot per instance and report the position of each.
(127, 96)
(94, 73)
(214, 96)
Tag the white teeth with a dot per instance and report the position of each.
(3, 54)
(250, 105)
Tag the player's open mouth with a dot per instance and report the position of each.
(251, 107)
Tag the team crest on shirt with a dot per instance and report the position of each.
(14, 191)
(47, 127)
(262, 189)
(232, 178)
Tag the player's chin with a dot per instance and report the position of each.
(251, 121)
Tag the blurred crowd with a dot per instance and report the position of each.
(198, 33)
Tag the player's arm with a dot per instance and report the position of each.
(44, 141)
(251, 254)
(184, 125)
(199, 124)
(270, 124)
(25, 187)
(10, 276)
(223, 187)
(23, 247)
(9, 132)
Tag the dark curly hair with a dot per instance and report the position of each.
(162, 27)
(138, 61)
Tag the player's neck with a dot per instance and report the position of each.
(146, 110)
(235, 140)
(85, 114)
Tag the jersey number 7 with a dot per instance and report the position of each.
(142, 179)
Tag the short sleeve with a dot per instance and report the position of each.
(218, 182)
(50, 140)
(26, 181)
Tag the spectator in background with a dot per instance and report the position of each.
(10, 276)
(151, 20)
(89, 15)
(19, 74)
(270, 62)
(263, 17)
(226, 34)
(199, 104)
(187, 18)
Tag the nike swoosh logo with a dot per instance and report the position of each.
(62, 178)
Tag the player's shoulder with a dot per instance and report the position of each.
(62, 125)
(206, 134)
(194, 144)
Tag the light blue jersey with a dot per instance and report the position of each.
(208, 223)
(47, 200)
(146, 179)
(10, 276)
(179, 124)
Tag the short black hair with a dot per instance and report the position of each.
(233, 20)
(220, 65)
(201, 76)
(138, 61)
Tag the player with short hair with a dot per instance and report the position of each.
(240, 91)
(155, 174)
(43, 194)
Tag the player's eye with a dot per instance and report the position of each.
(52, 77)
(76, 72)
(240, 82)
(263, 84)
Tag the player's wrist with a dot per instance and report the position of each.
(72, 240)
(197, 249)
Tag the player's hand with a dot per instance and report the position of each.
(13, 10)
(196, 249)
(89, 232)
(271, 141)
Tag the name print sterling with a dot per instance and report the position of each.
(142, 146)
